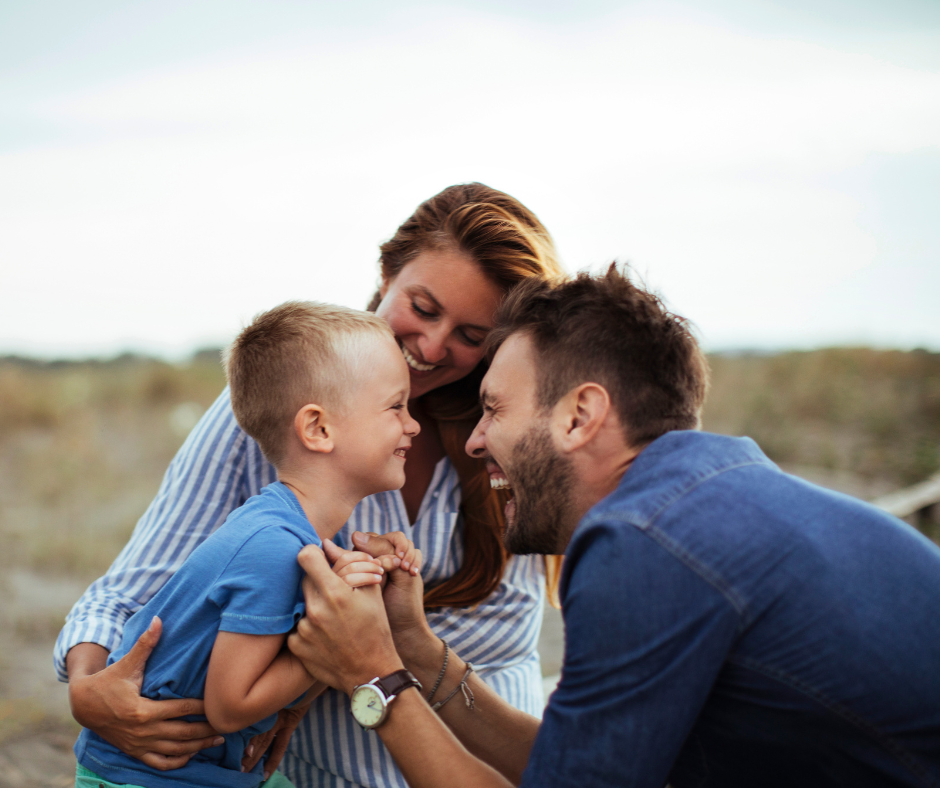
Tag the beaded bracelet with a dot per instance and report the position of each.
(440, 676)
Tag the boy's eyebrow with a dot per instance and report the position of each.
(438, 305)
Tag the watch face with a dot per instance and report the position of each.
(368, 706)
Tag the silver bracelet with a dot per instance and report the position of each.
(440, 676)
(462, 687)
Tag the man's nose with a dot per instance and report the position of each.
(476, 443)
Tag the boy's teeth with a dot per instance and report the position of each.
(499, 484)
(413, 363)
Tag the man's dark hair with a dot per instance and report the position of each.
(605, 329)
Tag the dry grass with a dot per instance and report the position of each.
(874, 414)
(83, 445)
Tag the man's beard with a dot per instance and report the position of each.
(541, 482)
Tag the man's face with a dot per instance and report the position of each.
(515, 437)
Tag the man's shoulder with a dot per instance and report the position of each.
(671, 467)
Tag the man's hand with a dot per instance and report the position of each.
(109, 703)
(344, 638)
(404, 603)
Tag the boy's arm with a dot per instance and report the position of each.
(251, 677)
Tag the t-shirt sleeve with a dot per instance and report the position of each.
(645, 638)
(259, 591)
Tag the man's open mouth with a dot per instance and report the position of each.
(498, 480)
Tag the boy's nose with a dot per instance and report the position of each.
(412, 427)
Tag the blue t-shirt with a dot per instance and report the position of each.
(244, 578)
(729, 625)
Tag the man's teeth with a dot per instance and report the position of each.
(499, 484)
(413, 363)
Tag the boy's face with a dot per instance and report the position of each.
(375, 428)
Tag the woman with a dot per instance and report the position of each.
(442, 275)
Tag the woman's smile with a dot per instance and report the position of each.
(414, 364)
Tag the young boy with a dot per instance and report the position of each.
(324, 392)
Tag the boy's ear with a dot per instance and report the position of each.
(311, 428)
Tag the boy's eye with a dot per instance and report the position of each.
(398, 406)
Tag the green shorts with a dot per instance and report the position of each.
(85, 778)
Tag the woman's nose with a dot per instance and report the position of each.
(433, 345)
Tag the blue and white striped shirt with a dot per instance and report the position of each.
(217, 469)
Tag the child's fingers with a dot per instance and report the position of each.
(361, 579)
(360, 567)
(351, 558)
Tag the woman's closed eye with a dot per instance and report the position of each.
(472, 341)
(422, 312)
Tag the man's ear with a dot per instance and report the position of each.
(579, 415)
(311, 427)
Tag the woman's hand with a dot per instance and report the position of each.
(404, 605)
(108, 702)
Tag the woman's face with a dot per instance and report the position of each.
(441, 308)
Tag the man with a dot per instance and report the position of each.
(726, 624)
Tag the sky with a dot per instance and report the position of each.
(169, 169)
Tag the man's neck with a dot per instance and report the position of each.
(598, 477)
(324, 499)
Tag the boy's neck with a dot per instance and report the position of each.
(327, 504)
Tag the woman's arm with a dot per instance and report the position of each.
(143, 728)
(251, 677)
(216, 469)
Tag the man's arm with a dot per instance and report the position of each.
(645, 639)
(251, 677)
(345, 640)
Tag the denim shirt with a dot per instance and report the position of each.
(730, 625)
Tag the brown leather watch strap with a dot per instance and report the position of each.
(394, 683)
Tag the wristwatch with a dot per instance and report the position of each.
(370, 701)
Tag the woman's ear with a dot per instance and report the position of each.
(310, 425)
(383, 288)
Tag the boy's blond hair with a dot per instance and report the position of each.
(295, 354)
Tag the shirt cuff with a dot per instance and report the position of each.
(103, 631)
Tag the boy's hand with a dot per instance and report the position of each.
(357, 569)
(392, 550)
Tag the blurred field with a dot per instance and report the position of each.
(83, 447)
